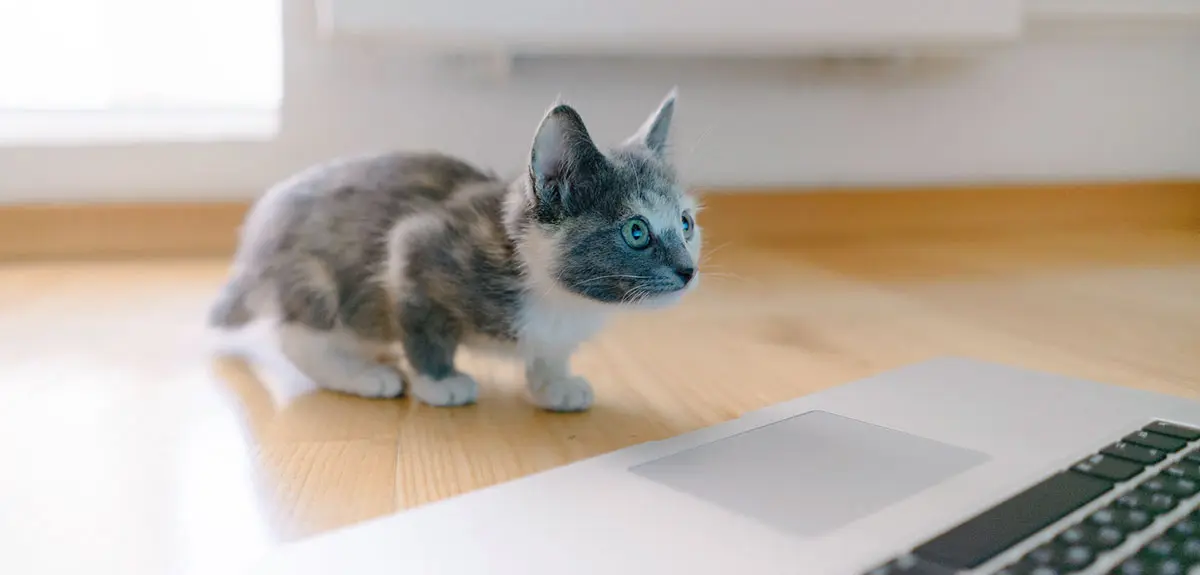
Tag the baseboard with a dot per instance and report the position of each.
(895, 214)
(752, 216)
(102, 231)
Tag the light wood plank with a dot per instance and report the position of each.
(130, 448)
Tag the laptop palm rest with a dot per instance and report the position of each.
(811, 473)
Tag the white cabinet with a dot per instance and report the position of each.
(1128, 10)
(686, 26)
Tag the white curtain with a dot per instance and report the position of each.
(129, 55)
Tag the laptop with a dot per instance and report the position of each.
(947, 466)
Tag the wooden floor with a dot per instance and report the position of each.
(127, 448)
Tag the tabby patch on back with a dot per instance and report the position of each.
(428, 253)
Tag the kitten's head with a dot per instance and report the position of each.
(614, 226)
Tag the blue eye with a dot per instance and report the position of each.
(636, 233)
(687, 225)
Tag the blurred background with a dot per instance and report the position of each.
(175, 99)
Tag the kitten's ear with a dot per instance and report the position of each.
(656, 131)
(562, 148)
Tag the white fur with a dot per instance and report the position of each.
(551, 329)
(338, 361)
(565, 393)
(552, 324)
(553, 321)
(458, 389)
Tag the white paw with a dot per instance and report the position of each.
(458, 389)
(562, 394)
(375, 382)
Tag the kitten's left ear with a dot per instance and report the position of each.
(562, 152)
(655, 132)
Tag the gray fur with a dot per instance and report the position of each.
(430, 252)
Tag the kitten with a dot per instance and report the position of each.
(427, 251)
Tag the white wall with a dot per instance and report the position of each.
(1069, 102)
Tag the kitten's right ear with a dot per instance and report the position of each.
(655, 132)
(561, 149)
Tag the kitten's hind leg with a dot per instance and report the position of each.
(430, 342)
(338, 361)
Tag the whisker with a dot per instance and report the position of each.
(732, 276)
(635, 294)
(627, 296)
(615, 276)
(696, 143)
(718, 248)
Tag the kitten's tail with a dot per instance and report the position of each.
(231, 311)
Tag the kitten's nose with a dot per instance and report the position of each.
(685, 274)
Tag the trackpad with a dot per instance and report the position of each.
(811, 473)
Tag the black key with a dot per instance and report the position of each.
(1132, 566)
(1075, 558)
(1161, 503)
(1108, 467)
(1103, 517)
(1157, 484)
(1015, 570)
(1127, 520)
(1184, 528)
(1105, 538)
(1184, 469)
(1096, 538)
(1189, 549)
(910, 565)
(1035, 569)
(1174, 430)
(1073, 535)
(1132, 520)
(1134, 500)
(1156, 440)
(1135, 452)
(1062, 557)
(984, 536)
(1154, 496)
(1044, 555)
(1181, 487)
(1027, 569)
(1159, 549)
(1161, 557)
(1168, 567)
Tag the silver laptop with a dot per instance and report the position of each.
(942, 467)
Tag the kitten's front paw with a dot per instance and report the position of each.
(571, 393)
(378, 381)
(458, 389)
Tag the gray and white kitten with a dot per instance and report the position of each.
(351, 257)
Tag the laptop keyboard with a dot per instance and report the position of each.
(1150, 524)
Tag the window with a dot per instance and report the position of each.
(133, 70)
